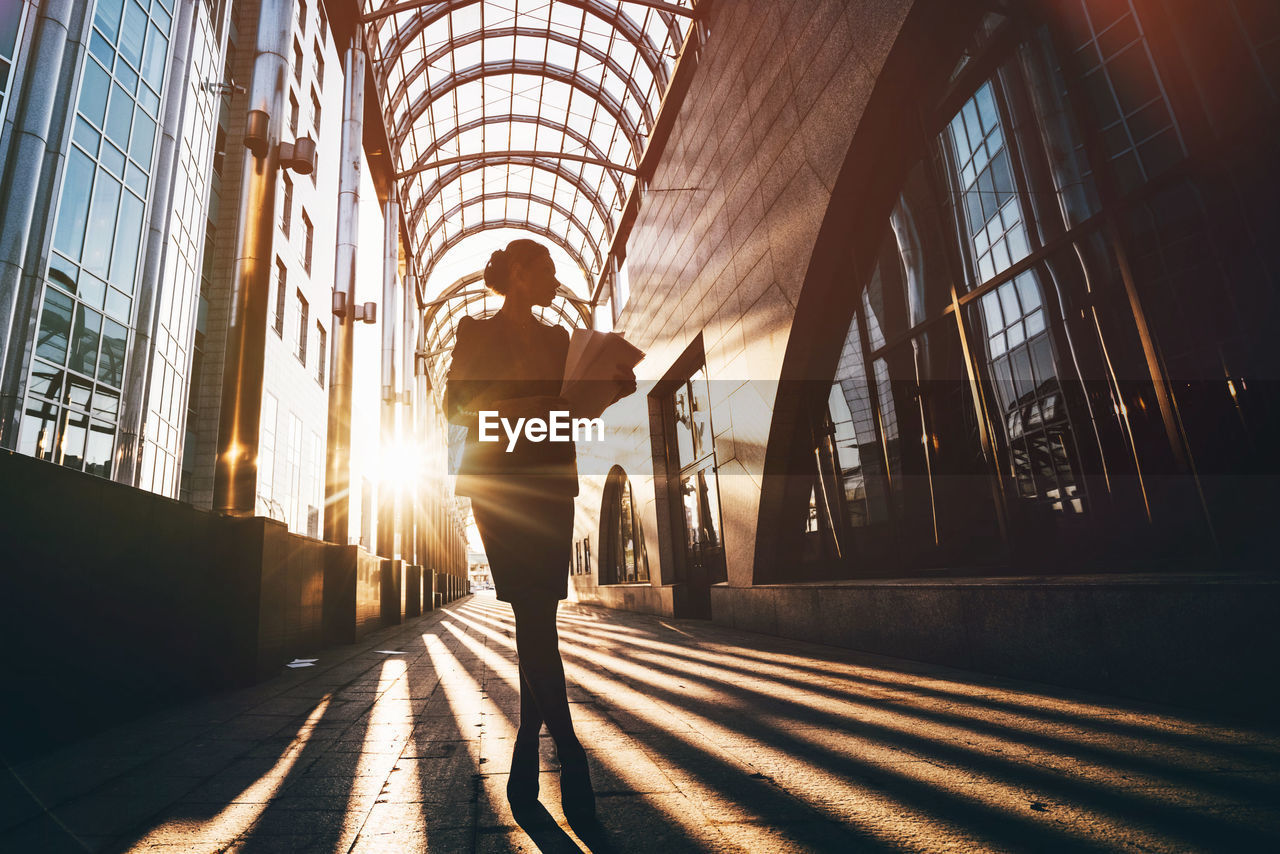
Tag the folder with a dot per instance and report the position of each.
(589, 369)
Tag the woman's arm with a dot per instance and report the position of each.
(464, 395)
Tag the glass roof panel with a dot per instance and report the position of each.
(499, 90)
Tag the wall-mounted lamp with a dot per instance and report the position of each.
(366, 312)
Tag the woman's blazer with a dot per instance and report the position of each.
(487, 357)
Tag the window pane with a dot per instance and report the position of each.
(102, 224)
(55, 327)
(39, 433)
(93, 92)
(73, 208)
(98, 450)
(111, 368)
(132, 34)
(84, 342)
(124, 256)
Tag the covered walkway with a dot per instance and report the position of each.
(703, 738)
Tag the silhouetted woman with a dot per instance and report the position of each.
(522, 499)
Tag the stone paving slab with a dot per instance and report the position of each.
(701, 738)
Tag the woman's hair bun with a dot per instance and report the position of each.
(497, 273)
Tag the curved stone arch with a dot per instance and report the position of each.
(611, 105)
(844, 251)
(613, 16)
(455, 173)
(401, 91)
(432, 150)
(506, 194)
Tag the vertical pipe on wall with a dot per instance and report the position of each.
(42, 90)
(235, 483)
(409, 505)
(133, 407)
(390, 272)
(337, 497)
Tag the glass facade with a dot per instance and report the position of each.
(1050, 358)
(174, 335)
(71, 411)
(10, 36)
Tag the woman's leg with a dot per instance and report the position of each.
(541, 670)
(538, 646)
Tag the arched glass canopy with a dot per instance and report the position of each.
(530, 114)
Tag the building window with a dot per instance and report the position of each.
(267, 459)
(303, 323)
(323, 23)
(282, 289)
(622, 553)
(293, 114)
(687, 448)
(77, 367)
(297, 62)
(10, 34)
(994, 401)
(308, 233)
(302, 16)
(322, 352)
(315, 112)
(286, 204)
(318, 55)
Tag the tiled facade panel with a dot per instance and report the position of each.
(725, 231)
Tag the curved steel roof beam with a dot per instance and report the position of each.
(405, 122)
(401, 90)
(567, 213)
(506, 222)
(650, 53)
(515, 118)
(555, 167)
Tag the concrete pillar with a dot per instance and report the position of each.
(137, 393)
(42, 92)
(236, 468)
(337, 504)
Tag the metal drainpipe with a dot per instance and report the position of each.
(137, 396)
(235, 483)
(41, 91)
(408, 428)
(390, 268)
(337, 499)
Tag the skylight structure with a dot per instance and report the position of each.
(529, 114)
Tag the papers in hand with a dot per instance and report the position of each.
(590, 370)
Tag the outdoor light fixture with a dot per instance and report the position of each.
(367, 312)
(255, 132)
(299, 156)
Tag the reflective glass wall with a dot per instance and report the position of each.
(72, 403)
(1063, 353)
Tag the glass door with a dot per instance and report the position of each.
(698, 491)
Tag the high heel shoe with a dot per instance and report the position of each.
(522, 782)
(577, 798)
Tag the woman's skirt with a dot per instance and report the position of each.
(527, 537)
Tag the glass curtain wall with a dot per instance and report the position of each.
(10, 37)
(78, 370)
(1060, 353)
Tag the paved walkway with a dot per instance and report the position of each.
(702, 738)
